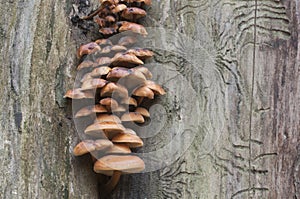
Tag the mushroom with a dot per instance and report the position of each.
(102, 70)
(110, 19)
(88, 49)
(134, 27)
(157, 89)
(93, 83)
(146, 2)
(86, 77)
(107, 118)
(103, 42)
(85, 111)
(106, 127)
(131, 140)
(133, 13)
(88, 146)
(144, 91)
(119, 8)
(124, 59)
(129, 101)
(116, 165)
(132, 117)
(100, 21)
(79, 94)
(144, 70)
(127, 40)
(118, 148)
(109, 103)
(113, 88)
(85, 64)
(118, 48)
(106, 50)
(116, 73)
(141, 53)
(108, 31)
(102, 61)
(144, 112)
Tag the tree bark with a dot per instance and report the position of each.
(240, 138)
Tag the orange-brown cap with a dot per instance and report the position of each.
(86, 77)
(110, 19)
(107, 118)
(85, 111)
(144, 91)
(127, 40)
(102, 70)
(129, 101)
(88, 49)
(144, 112)
(124, 163)
(118, 48)
(156, 88)
(100, 21)
(93, 84)
(85, 64)
(88, 146)
(117, 73)
(104, 126)
(113, 88)
(102, 61)
(103, 42)
(119, 8)
(133, 141)
(144, 70)
(125, 59)
(118, 148)
(134, 27)
(108, 31)
(110, 103)
(140, 52)
(132, 117)
(79, 94)
(133, 13)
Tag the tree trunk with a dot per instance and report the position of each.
(232, 119)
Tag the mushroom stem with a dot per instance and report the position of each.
(111, 184)
(93, 14)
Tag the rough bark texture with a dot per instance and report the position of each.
(245, 74)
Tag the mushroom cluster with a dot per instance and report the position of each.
(119, 82)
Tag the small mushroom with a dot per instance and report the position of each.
(134, 27)
(102, 70)
(133, 141)
(79, 94)
(115, 166)
(132, 117)
(119, 8)
(157, 89)
(144, 70)
(144, 91)
(106, 50)
(88, 49)
(116, 73)
(85, 64)
(118, 148)
(129, 101)
(109, 103)
(108, 31)
(141, 53)
(93, 83)
(88, 110)
(133, 13)
(118, 48)
(102, 61)
(86, 77)
(124, 59)
(103, 42)
(113, 88)
(110, 19)
(107, 127)
(144, 112)
(107, 118)
(88, 146)
(129, 131)
(127, 40)
(100, 21)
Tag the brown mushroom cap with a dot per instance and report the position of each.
(102, 70)
(144, 112)
(110, 103)
(119, 148)
(87, 49)
(86, 77)
(103, 42)
(129, 131)
(85, 64)
(118, 48)
(129, 101)
(117, 73)
(132, 117)
(102, 61)
(127, 40)
(110, 19)
(125, 59)
(100, 21)
(113, 88)
(119, 8)
(157, 89)
(126, 164)
(79, 94)
(140, 53)
(144, 70)
(107, 118)
(93, 84)
(107, 127)
(85, 111)
(133, 13)
(133, 141)
(108, 31)
(146, 2)
(144, 91)
(134, 27)
(88, 146)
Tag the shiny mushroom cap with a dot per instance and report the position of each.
(125, 164)
(79, 94)
(126, 60)
(132, 117)
(134, 27)
(93, 84)
(118, 148)
(88, 110)
(85, 64)
(156, 88)
(113, 88)
(143, 70)
(133, 141)
(129, 101)
(107, 127)
(144, 91)
(110, 103)
(133, 13)
(144, 112)
(140, 53)
(107, 118)
(127, 40)
(88, 146)
(87, 49)
(102, 70)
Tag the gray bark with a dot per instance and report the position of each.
(242, 68)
